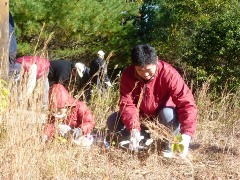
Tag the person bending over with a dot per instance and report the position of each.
(70, 116)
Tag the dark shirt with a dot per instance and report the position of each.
(98, 71)
(60, 71)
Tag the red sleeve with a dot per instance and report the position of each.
(82, 117)
(184, 101)
(128, 110)
(85, 115)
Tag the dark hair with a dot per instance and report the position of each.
(143, 55)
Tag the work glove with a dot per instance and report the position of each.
(77, 133)
(84, 141)
(64, 130)
(135, 139)
(185, 142)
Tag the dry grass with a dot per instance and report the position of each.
(214, 152)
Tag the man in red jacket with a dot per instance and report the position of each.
(76, 117)
(151, 88)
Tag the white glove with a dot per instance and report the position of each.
(64, 129)
(135, 140)
(109, 84)
(85, 141)
(185, 142)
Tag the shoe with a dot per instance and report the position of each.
(167, 153)
(167, 149)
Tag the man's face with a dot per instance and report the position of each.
(146, 72)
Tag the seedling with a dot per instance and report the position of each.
(176, 146)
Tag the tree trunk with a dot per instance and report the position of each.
(4, 40)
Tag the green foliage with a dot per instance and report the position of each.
(4, 95)
(216, 46)
(80, 27)
(145, 22)
(176, 147)
(202, 36)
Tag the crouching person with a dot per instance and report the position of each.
(152, 89)
(72, 118)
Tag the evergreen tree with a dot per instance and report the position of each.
(80, 27)
(203, 36)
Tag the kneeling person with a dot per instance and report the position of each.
(76, 117)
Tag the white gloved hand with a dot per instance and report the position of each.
(64, 129)
(84, 141)
(135, 140)
(185, 142)
(109, 84)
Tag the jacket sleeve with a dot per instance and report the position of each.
(184, 101)
(128, 110)
(82, 117)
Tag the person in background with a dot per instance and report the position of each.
(62, 71)
(69, 116)
(152, 89)
(30, 69)
(12, 45)
(98, 71)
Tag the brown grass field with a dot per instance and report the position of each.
(214, 151)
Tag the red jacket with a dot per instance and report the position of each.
(42, 64)
(79, 115)
(167, 88)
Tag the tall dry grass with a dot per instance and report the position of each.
(214, 151)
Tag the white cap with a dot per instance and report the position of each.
(101, 53)
(80, 68)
